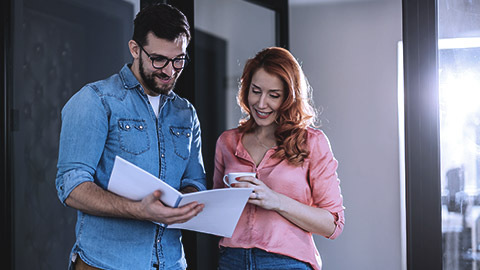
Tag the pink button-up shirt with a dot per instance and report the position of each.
(315, 183)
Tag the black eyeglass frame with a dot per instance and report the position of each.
(168, 60)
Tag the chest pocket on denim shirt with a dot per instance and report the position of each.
(133, 136)
(182, 138)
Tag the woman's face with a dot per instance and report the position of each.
(265, 96)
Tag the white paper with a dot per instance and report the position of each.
(134, 183)
(222, 210)
(220, 215)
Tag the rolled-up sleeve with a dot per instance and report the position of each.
(339, 223)
(68, 181)
(82, 141)
(326, 192)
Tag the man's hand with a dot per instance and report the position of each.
(154, 210)
(92, 199)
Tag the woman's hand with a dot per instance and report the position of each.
(309, 218)
(262, 195)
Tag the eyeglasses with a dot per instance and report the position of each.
(160, 62)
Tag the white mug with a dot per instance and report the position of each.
(229, 179)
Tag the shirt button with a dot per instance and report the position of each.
(178, 133)
(158, 241)
(163, 155)
(140, 127)
(127, 127)
(188, 134)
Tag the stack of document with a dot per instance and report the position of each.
(220, 215)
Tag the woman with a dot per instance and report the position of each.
(296, 190)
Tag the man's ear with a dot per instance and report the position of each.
(134, 49)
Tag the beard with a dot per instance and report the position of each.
(149, 81)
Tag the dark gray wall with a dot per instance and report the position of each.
(59, 46)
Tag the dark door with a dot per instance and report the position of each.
(227, 33)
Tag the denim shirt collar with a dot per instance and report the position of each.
(130, 81)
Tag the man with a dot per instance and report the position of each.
(133, 114)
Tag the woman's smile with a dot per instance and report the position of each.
(262, 114)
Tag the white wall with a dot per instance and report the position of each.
(349, 54)
(247, 28)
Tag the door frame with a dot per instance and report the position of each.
(280, 7)
(422, 146)
(5, 179)
(186, 86)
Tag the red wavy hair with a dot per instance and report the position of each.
(296, 112)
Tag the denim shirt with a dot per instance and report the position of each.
(114, 117)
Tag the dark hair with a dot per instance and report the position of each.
(296, 112)
(165, 21)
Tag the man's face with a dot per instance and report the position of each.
(160, 81)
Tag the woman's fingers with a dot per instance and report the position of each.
(243, 185)
(249, 179)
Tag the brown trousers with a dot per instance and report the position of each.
(81, 265)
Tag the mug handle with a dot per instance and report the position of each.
(226, 175)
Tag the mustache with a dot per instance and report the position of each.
(163, 76)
